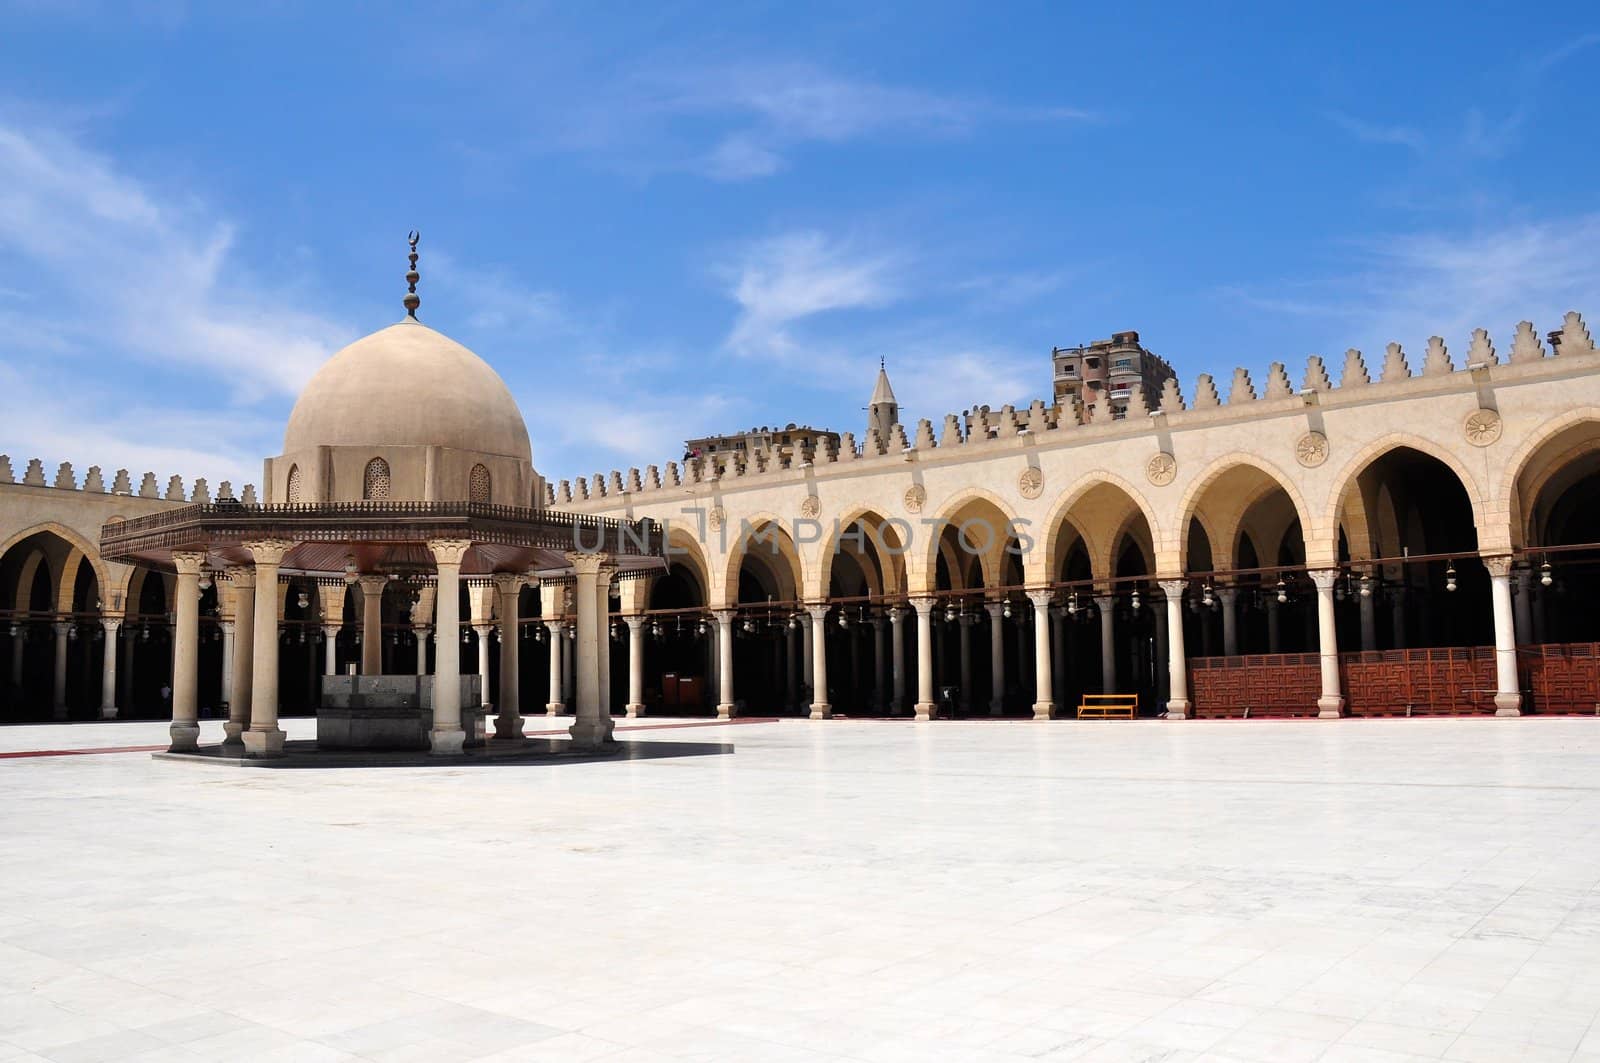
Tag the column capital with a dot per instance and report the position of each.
(994, 609)
(818, 610)
(243, 577)
(1324, 578)
(269, 551)
(1498, 565)
(1174, 588)
(449, 551)
(923, 606)
(723, 616)
(1229, 595)
(587, 562)
(897, 613)
(1041, 598)
(188, 562)
(508, 583)
(62, 628)
(483, 629)
(332, 629)
(112, 623)
(372, 584)
(1104, 599)
(635, 621)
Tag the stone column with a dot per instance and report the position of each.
(1330, 706)
(791, 641)
(602, 620)
(227, 659)
(1058, 655)
(372, 623)
(1177, 660)
(592, 726)
(821, 709)
(242, 681)
(421, 633)
(1044, 706)
(997, 657)
(130, 640)
(185, 728)
(1523, 601)
(1508, 690)
(554, 706)
(58, 686)
(17, 646)
(1274, 631)
(330, 649)
(569, 670)
(635, 706)
(1230, 620)
(483, 631)
(725, 703)
(264, 738)
(108, 668)
(447, 737)
(897, 663)
(1161, 679)
(964, 622)
(1108, 647)
(926, 707)
(1369, 622)
(880, 663)
(508, 721)
(1398, 613)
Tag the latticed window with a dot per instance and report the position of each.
(375, 485)
(478, 484)
(293, 491)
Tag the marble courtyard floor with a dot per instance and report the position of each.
(873, 890)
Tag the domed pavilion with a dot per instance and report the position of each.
(405, 458)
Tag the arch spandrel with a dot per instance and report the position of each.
(758, 531)
(887, 549)
(1097, 508)
(1222, 495)
(972, 503)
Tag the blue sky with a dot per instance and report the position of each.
(660, 221)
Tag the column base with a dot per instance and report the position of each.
(507, 726)
(587, 734)
(447, 743)
(1044, 710)
(108, 712)
(821, 710)
(1508, 704)
(185, 737)
(1178, 708)
(58, 712)
(554, 708)
(263, 743)
(1330, 708)
(727, 711)
(927, 710)
(633, 710)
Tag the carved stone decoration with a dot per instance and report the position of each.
(1311, 450)
(915, 498)
(1161, 469)
(716, 517)
(810, 507)
(1483, 427)
(1030, 484)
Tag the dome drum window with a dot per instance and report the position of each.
(479, 484)
(375, 482)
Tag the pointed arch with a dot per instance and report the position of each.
(982, 513)
(1226, 491)
(1097, 507)
(1344, 483)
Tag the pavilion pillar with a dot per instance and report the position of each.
(997, 658)
(264, 738)
(726, 708)
(897, 658)
(185, 727)
(821, 709)
(1177, 661)
(926, 707)
(1230, 620)
(1330, 706)
(635, 705)
(108, 667)
(484, 633)
(508, 720)
(58, 684)
(554, 706)
(592, 727)
(240, 681)
(1108, 642)
(1044, 706)
(372, 623)
(1508, 690)
(447, 737)
(226, 626)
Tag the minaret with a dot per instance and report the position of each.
(883, 412)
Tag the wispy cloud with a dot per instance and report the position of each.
(1377, 133)
(788, 278)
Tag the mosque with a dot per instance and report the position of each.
(1420, 536)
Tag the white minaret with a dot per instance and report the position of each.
(883, 412)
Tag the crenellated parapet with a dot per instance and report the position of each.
(982, 426)
(94, 482)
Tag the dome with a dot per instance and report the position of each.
(408, 385)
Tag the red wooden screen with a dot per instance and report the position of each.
(1277, 684)
(1561, 678)
(1446, 681)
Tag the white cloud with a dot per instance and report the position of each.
(788, 278)
(1375, 133)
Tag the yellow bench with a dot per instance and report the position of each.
(1108, 707)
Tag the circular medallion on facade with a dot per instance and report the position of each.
(1031, 483)
(1311, 450)
(1483, 427)
(716, 517)
(915, 498)
(1161, 469)
(810, 507)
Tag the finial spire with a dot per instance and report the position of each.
(412, 300)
